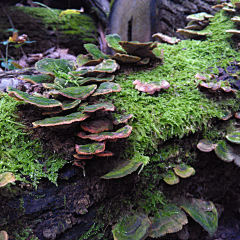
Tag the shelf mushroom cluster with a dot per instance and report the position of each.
(197, 23)
(76, 99)
(231, 8)
(170, 219)
(227, 151)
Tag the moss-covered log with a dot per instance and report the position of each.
(45, 28)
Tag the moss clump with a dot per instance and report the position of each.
(19, 154)
(80, 25)
(182, 109)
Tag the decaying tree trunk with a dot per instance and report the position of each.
(138, 20)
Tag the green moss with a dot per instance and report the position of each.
(19, 154)
(80, 25)
(182, 109)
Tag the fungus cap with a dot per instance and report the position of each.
(203, 212)
(90, 149)
(233, 137)
(99, 106)
(82, 157)
(170, 178)
(105, 154)
(6, 177)
(97, 126)
(62, 120)
(120, 133)
(184, 171)
(169, 220)
(132, 227)
(125, 58)
(3, 235)
(49, 65)
(37, 79)
(113, 42)
(166, 38)
(224, 151)
(78, 92)
(192, 33)
(34, 100)
(206, 145)
(107, 87)
(118, 118)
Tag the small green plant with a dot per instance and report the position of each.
(13, 41)
(93, 231)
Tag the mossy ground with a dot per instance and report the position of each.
(180, 111)
(18, 153)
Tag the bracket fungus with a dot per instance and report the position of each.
(61, 121)
(97, 126)
(3, 235)
(170, 220)
(233, 31)
(5, 178)
(90, 149)
(118, 118)
(106, 66)
(227, 153)
(66, 105)
(203, 212)
(127, 167)
(82, 157)
(94, 51)
(105, 154)
(37, 79)
(120, 133)
(206, 145)
(113, 42)
(99, 106)
(233, 137)
(106, 88)
(34, 100)
(151, 87)
(236, 19)
(125, 58)
(170, 178)
(132, 227)
(226, 114)
(50, 66)
(78, 92)
(184, 171)
(96, 79)
(166, 38)
(199, 16)
(193, 34)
